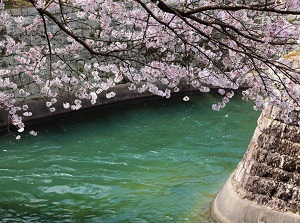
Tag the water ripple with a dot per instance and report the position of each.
(162, 162)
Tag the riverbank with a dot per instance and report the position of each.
(40, 112)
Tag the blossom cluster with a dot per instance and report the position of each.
(155, 46)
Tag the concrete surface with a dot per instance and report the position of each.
(228, 207)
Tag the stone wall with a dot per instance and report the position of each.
(269, 173)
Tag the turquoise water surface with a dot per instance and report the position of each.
(154, 161)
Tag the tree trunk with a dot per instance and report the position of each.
(267, 180)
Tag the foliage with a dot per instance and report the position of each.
(16, 3)
(155, 45)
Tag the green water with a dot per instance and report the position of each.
(155, 161)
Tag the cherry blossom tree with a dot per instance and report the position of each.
(155, 46)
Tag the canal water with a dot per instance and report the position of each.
(154, 161)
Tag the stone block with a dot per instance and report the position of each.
(280, 175)
(249, 181)
(267, 111)
(289, 148)
(16, 12)
(30, 11)
(296, 194)
(295, 179)
(278, 204)
(294, 206)
(29, 20)
(259, 154)
(273, 159)
(261, 140)
(275, 114)
(288, 163)
(259, 169)
(262, 186)
(268, 142)
(283, 191)
(292, 133)
(262, 199)
(276, 128)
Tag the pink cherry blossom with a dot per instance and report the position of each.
(66, 105)
(110, 95)
(152, 46)
(52, 109)
(48, 104)
(27, 114)
(186, 98)
(33, 133)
